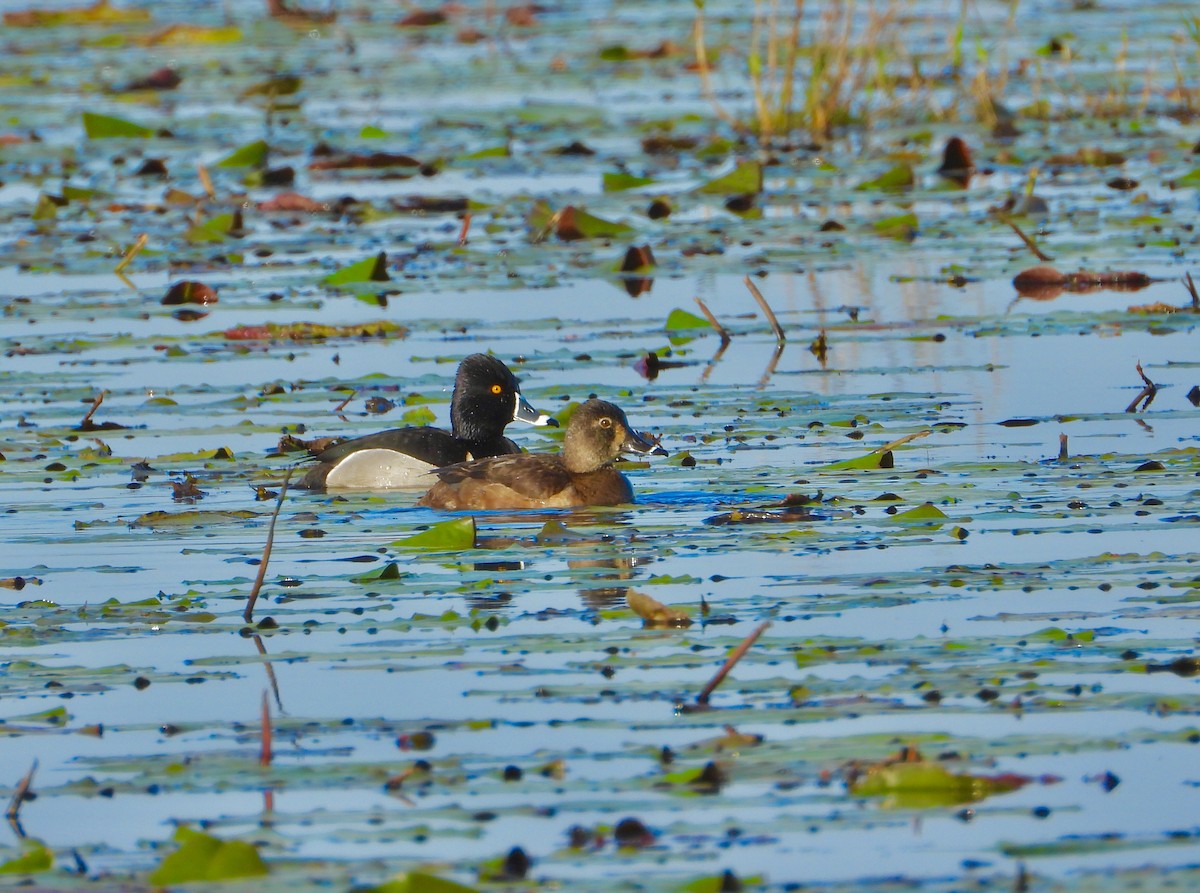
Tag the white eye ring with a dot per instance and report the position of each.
(606, 422)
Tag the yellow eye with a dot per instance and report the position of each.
(606, 422)
(497, 389)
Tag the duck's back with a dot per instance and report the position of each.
(397, 459)
(525, 481)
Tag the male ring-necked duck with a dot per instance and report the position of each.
(486, 398)
(582, 474)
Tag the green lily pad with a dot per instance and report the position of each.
(448, 536)
(370, 269)
(745, 179)
(98, 127)
(203, 857)
(35, 857)
(250, 155)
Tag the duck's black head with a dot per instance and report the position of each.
(486, 398)
(598, 433)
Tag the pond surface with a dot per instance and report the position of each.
(1018, 609)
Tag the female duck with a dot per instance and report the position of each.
(582, 474)
(486, 398)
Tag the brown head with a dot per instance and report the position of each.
(597, 434)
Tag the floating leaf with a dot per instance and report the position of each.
(620, 181)
(202, 857)
(98, 127)
(902, 226)
(926, 512)
(102, 12)
(1191, 178)
(190, 292)
(745, 179)
(34, 857)
(250, 155)
(573, 223)
(679, 320)
(390, 571)
(215, 229)
(192, 35)
(371, 269)
(881, 459)
(421, 415)
(418, 882)
(921, 784)
(281, 85)
(654, 612)
(448, 536)
(895, 180)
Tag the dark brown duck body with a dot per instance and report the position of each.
(582, 474)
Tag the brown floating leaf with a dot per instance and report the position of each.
(188, 488)
(363, 159)
(432, 204)
(1122, 184)
(190, 292)
(631, 832)
(574, 148)
(654, 612)
(423, 18)
(637, 258)
(663, 144)
(312, 331)
(278, 9)
(957, 163)
(165, 78)
(292, 201)
(1046, 282)
(1093, 157)
(659, 208)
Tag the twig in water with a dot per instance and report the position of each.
(766, 309)
(264, 755)
(1063, 455)
(466, 228)
(1191, 287)
(133, 252)
(342, 405)
(916, 435)
(712, 321)
(1029, 243)
(248, 614)
(1147, 393)
(14, 806)
(83, 423)
(729, 664)
(206, 181)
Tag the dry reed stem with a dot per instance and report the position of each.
(134, 249)
(713, 321)
(18, 797)
(1029, 243)
(248, 614)
(766, 309)
(731, 661)
(92, 411)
